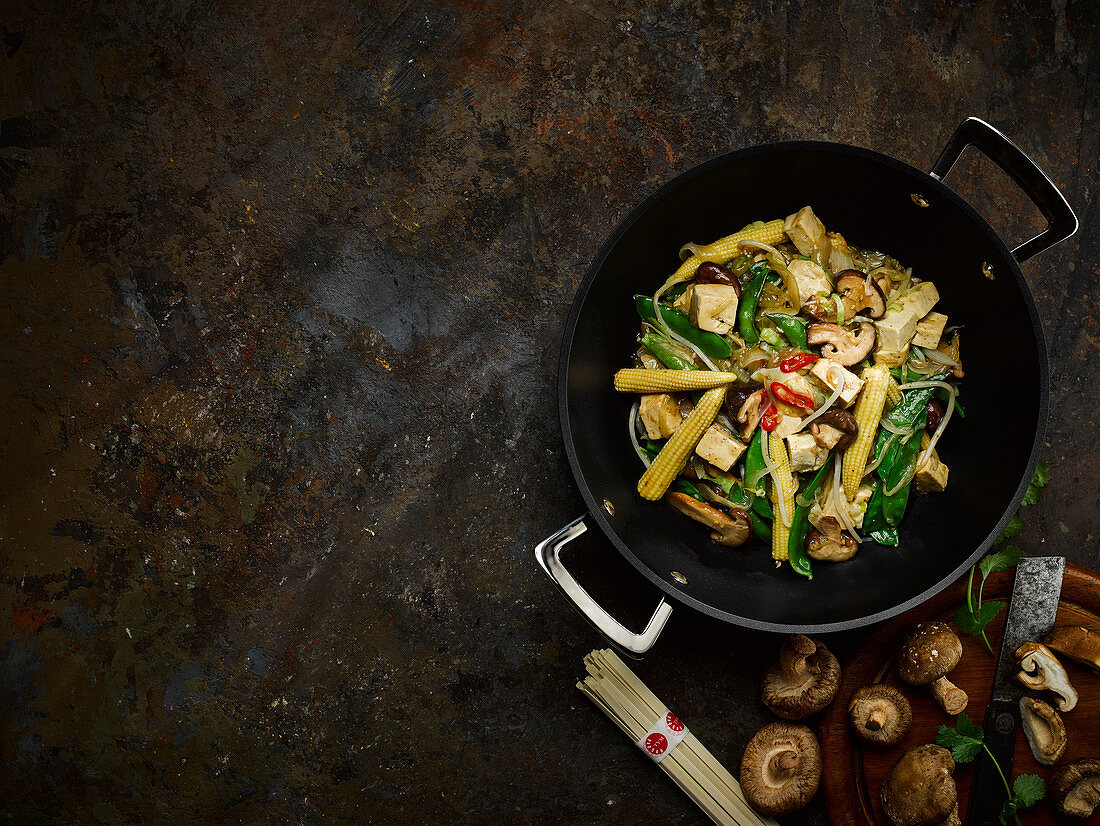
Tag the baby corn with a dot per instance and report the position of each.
(726, 248)
(868, 412)
(781, 530)
(640, 380)
(666, 466)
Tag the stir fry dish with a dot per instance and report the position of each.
(793, 387)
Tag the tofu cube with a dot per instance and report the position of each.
(787, 426)
(806, 454)
(805, 230)
(930, 330)
(931, 475)
(891, 358)
(714, 307)
(720, 447)
(830, 376)
(810, 278)
(898, 326)
(660, 414)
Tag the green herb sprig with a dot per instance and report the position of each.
(965, 741)
(975, 614)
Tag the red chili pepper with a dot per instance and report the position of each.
(797, 362)
(788, 396)
(770, 420)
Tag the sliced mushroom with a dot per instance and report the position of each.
(738, 394)
(927, 656)
(828, 543)
(781, 769)
(951, 350)
(1041, 671)
(880, 714)
(748, 415)
(858, 292)
(1078, 642)
(919, 790)
(731, 529)
(841, 346)
(1045, 731)
(1075, 787)
(803, 681)
(842, 425)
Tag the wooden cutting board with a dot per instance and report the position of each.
(854, 770)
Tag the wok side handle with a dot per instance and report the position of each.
(548, 554)
(991, 142)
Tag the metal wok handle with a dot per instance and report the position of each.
(1061, 220)
(548, 554)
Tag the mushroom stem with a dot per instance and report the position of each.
(876, 719)
(950, 697)
(784, 763)
(793, 659)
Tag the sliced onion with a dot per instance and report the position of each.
(752, 482)
(951, 393)
(675, 336)
(840, 502)
(632, 422)
(940, 358)
(873, 466)
(915, 385)
(905, 432)
(821, 411)
(905, 480)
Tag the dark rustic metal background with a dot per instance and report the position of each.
(283, 289)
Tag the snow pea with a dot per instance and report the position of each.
(761, 527)
(746, 310)
(658, 345)
(800, 525)
(754, 464)
(893, 504)
(790, 326)
(710, 343)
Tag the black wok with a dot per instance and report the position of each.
(876, 202)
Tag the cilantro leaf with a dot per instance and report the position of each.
(1028, 789)
(967, 728)
(1014, 526)
(1002, 560)
(1035, 486)
(964, 741)
(975, 623)
(1041, 476)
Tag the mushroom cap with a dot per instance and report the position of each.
(781, 768)
(919, 790)
(931, 651)
(1045, 731)
(880, 714)
(803, 681)
(730, 529)
(1078, 642)
(828, 543)
(842, 420)
(839, 345)
(1075, 787)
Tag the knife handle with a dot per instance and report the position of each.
(987, 789)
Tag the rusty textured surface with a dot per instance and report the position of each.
(283, 288)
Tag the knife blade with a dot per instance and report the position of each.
(1032, 610)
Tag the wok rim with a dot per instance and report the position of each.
(595, 511)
